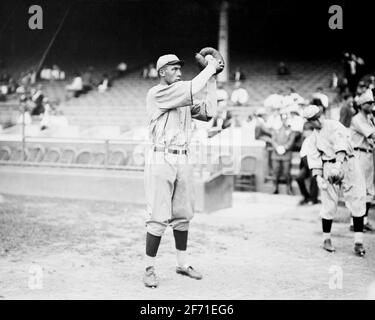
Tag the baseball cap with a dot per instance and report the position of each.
(366, 97)
(311, 111)
(168, 59)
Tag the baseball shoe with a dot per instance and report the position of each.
(359, 250)
(149, 279)
(368, 227)
(303, 202)
(327, 245)
(313, 202)
(189, 271)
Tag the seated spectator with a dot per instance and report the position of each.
(152, 73)
(121, 69)
(239, 95)
(282, 70)
(104, 84)
(322, 97)
(76, 86)
(222, 96)
(238, 75)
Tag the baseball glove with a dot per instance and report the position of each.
(202, 62)
(336, 175)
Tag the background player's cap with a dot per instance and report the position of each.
(311, 112)
(366, 97)
(167, 59)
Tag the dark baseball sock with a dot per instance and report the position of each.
(180, 238)
(368, 205)
(152, 244)
(358, 224)
(326, 225)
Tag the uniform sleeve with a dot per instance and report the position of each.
(362, 127)
(176, 95)
(199, 111)
(314, 158)
(206, 109)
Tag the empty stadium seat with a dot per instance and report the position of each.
(139, 156)
(84, 157)
(246, 178)
(117, 158)
(35, 153)
(52, 155)
(16, 155)
(68, 156)
(5, 153)
(98, 158)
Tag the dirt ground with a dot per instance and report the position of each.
(264, 247)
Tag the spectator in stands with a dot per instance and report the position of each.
(282, 69)
(52, 117)
(238, 75)
(305, 172)
(239, 95)
(152, 73)
(25, 116)
(104, 83)
(121, 69)
(319, 95)
(347, 110)
(37, 97)
(88, 81)
(222, 96)
(57, 73)
(281, 141)
(76, 86)
(334, 81)
(145, 72)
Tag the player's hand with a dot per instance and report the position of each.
(280, 150)
(321, 182)
(218, 65)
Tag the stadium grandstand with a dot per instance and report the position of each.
(106, 130)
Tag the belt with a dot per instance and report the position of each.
(363, 150)
(334, 160)
(173, 151)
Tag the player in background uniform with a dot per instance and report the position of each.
(330, 156)
(169, 188)
(363, 135)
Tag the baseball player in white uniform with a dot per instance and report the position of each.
(330, 156)
(363, 135)
(169, 188)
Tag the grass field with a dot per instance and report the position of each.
(264, 247)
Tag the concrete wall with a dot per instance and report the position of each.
(212, 193)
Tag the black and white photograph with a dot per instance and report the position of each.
(170, 150)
